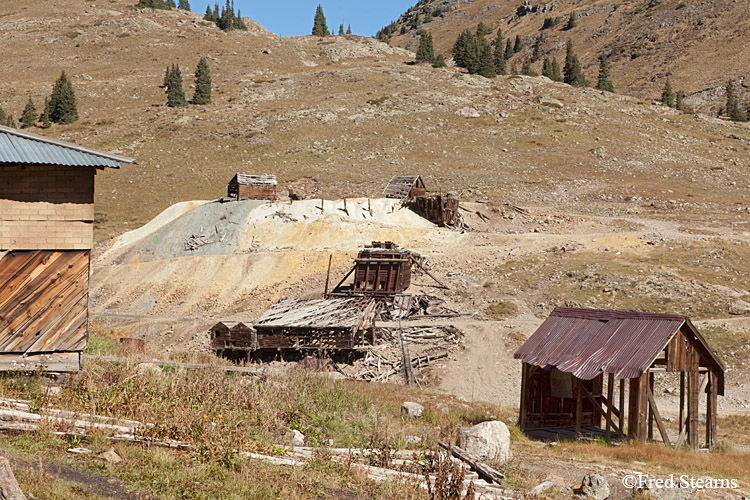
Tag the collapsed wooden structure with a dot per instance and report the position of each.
(439, 209)
(565, 362)
(405, 186)
(323, 325)
(46, 236)
(252, 187)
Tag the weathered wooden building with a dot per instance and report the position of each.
(381, 269)
(252, 187)
(46, 236)
(572, 361)
(405, 186)
(439, 209)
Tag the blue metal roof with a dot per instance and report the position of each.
(17, 146)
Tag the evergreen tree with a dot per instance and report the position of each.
(239, 24)
(439, 61)
(3, 116)
(679, 100)
(425, 52)
(202, 93)
(44, 117)
(556, 74)
(216, 15)
(341, 29)
(10, 122)
(29, 116)
(603, 82)
(465, 50)
(485, 63)
(155, 4)
(667, 96)
(209, 15)
(349, 30)
(508, 49)
(518, 45)
(482, 29)
(734, 111)
(572, 23)
(537, 53)
(170, 3)
(547, 67)
(175, 94)
(226, 19)
(320, 28)
(167, 74)
(572, 72)
(63, 107)
(526, 68)
(499, 57)
(184, 5)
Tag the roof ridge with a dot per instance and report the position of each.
(609, 314)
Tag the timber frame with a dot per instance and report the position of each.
(558, 400)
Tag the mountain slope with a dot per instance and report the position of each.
(350, 112)
(698, 44)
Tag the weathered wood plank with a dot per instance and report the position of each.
(50, 362)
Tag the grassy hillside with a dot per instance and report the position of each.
(699, 45)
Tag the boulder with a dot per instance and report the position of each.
(110, 456)
(594, 486)
(487, 442)
(295, 438)
(412, 409)
(739, 307)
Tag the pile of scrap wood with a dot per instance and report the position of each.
(415, 306)
(420, 345)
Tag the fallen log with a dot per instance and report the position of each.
(485, 471)
(9, 489)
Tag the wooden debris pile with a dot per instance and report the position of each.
(414, 307)
(405, 353)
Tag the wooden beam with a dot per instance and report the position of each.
(684, 426)
(655, 412)
(328, 275)
(682, 400)
(598, 408)
(428, 273)
(650, 408)
(622, 405)
(344, 278)
(48, 362)
(579, 404)
(711, 427)
(522, 409)
(483, 470)
(610, 394)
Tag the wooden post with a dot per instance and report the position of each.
(328, 276)
(650, 408)
(522, 409)
(638, 408)
(692, 409)
(622, 405)
(610, 395)
(579, 405)
(682, 400)
(711, 427)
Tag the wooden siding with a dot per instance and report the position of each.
(388, 272)
(438, 209)
(44, 301)
(543, 405)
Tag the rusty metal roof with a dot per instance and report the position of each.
(18, 146)
(587, 342)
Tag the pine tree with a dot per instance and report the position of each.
(10, 122)
(239, 24)
(184, 5)
(526, 68)
(29, 116)
(518, 45)
(167, 73)
(537, 53)
(202, 93)
(3, 116)
(485, 63)
(572, 23)
(209, 15)
(170, 3)
(44, 117)
(349, 29)
(734, 111)
(216, 15)
(319, 25)
(439, 61)
(175, 94)
(425, 52)
(603, 82)
(63, 107)
(341, 29)
(465, 50)
(155, 4)
(572, 72)
(547, 67)
(667, 96)
(226, 20)
(499, 57)
(679, 100)
(482, 29)
(508, 49)
(556, 74)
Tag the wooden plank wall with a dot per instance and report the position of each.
(44, 301)
(541, 409)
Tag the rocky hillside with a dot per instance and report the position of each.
(698, 44)
(349, 112)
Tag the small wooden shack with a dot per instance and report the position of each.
(381, 270)
(571, 362)
(233, 336)
(46, 236)
(405, 186)
(252, 187)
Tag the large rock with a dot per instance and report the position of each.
(412, 409)
(488, 441)
(739, 307)
(594, 486)
(295, 438)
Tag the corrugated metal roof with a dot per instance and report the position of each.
(587, 342)
(17, 146)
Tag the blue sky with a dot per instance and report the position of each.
(295, 17)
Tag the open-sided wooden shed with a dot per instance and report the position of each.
(405, 186)
(571, 362)
(46, 236)
(252, 187)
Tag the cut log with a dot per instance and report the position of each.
(9, 489)
(485, 471)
